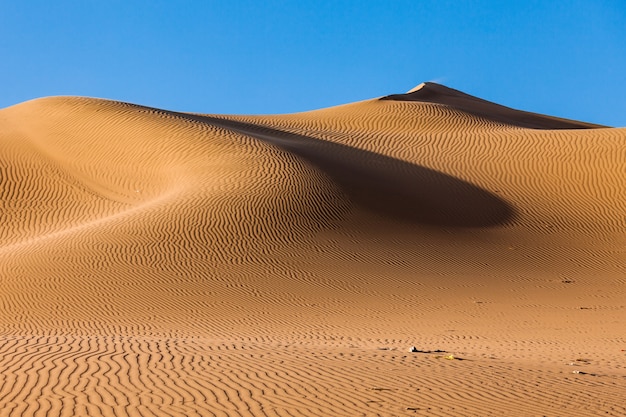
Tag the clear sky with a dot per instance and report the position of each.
(564, 58)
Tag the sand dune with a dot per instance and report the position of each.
(434, 93)
(163, 263)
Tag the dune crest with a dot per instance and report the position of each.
(416, 88)
(429, 92)
(154, 262)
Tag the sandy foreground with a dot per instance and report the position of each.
(155, 263)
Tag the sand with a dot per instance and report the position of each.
(156, 263)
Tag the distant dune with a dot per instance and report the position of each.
(162, 263)
(436, 93)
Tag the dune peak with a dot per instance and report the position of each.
(430, 92)
(416, 88)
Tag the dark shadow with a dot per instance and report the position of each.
(385, 185)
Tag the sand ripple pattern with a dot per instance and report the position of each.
(155, 263)
(122, 376)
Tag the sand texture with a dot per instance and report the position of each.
(155, 263)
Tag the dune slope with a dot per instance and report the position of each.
(163, 263)
(435, 93)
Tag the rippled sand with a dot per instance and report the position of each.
(156, 263)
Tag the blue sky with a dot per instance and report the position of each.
(564, 58)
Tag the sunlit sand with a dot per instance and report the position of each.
(428, 253)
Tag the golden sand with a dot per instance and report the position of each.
(155, 263)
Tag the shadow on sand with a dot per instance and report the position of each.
(385, 185)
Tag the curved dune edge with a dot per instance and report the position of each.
(429, 92)
(163, 263)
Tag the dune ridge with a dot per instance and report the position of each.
(429, 92)
(162, 263)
